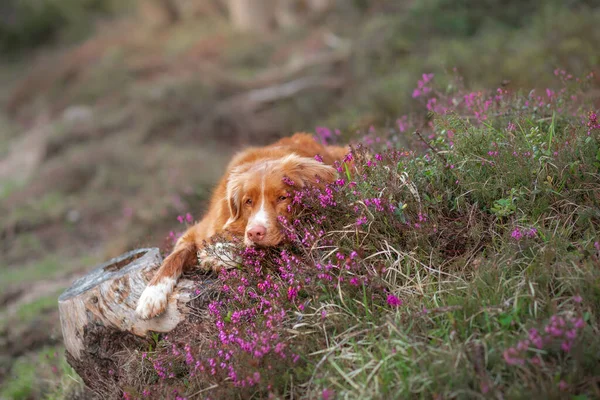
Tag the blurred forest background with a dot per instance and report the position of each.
(116, 116)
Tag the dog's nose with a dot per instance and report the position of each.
(257, 233)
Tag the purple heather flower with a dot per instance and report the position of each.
(327, 394)
(393, 301)
(516, 234)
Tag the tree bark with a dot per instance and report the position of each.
(97, 314)
(252, 15)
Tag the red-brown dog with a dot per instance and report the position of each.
(246, 203)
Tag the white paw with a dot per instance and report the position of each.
(154, 298)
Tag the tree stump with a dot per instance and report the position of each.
(97, 314)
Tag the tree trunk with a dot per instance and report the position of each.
(97, 314)
(252, 15)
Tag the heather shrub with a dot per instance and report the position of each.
(437, 35)
(465, 267)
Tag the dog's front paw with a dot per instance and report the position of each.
(154, 299)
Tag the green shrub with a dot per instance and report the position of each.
(391, 49)
(468, 17)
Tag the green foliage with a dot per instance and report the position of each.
(46, 268)
(467, 17)
(21, 383)
(391, 49)
(30, 311)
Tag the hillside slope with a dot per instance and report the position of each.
(105, 142)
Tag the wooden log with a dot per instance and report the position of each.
(105, 300)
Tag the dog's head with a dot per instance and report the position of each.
(259, 192)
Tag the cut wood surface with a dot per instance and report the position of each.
(108, 295)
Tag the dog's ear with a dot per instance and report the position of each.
(233, 195)
(308, 171)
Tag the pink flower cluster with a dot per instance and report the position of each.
(393, 301)
(325, 135)
(402, 123)
(560, 330)
(187, 218)
(518, 233)
(252, 313)
(422, 88)
(592, 123)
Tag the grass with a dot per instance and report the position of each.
(42, 269)
(30, 311)
(44, 372)
(51, 205)
(47, 268)
(465, 270)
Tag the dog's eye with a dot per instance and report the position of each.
(282, 198)
(249, 202)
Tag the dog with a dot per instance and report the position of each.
(246, 204)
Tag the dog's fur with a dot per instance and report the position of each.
(254, 191)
